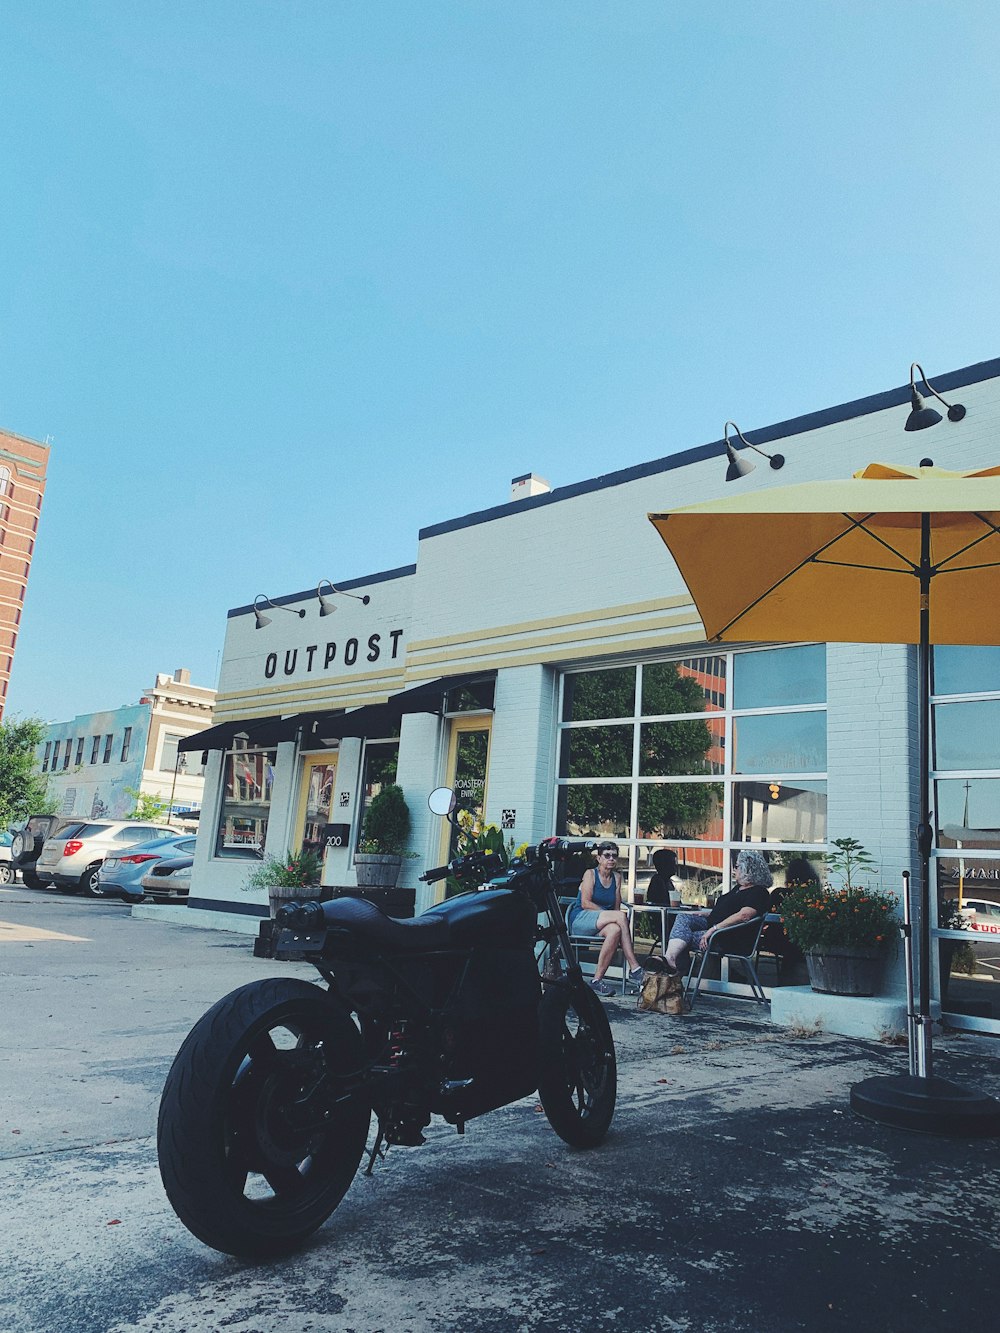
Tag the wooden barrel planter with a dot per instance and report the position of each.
(846, 969)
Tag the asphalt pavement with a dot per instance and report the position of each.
(736, 1190)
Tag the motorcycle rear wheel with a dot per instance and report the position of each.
(578, 1075)
(258, 1137)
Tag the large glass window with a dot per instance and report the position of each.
(248, 778)
(168, 751)
(966, 786)
(704, 754)
(379, 769)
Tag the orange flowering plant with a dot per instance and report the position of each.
(817, 917)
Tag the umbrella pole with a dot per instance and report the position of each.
(917, 1100)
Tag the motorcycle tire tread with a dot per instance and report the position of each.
(190, 1126)
(580, 1128)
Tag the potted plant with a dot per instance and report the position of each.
(292, 877)
(384, 837)
(843, 931)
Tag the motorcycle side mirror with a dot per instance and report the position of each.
(441, 801)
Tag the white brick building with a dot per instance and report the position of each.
(564, 611)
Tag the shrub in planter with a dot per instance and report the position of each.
(844, 932)
(384, 837)
(294, 875)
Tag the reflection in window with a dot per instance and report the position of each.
(967, 735)
(779, 812)
(697, 685)
(968, 812)
(966, 670)
(381, 759)
(588, 695)
(248, 777)
(668, 749)
(594, 810)
(780, 743)
(319, 805)
(689, 810)
(472, 750)
(778, 677)
(596, 752)
(667, 774)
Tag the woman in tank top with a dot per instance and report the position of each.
(598, 911)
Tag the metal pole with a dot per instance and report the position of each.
(925, 834)
(906, 930)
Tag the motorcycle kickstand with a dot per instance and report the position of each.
(378, 1151)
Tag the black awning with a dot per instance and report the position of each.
(375, 719)
(220, 737)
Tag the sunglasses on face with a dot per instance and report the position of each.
(610, 856)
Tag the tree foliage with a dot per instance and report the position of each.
(23, 790)
(147, 807)
(666, 749)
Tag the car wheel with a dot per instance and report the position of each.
(89, 882)
(17, 845)
(6, 874)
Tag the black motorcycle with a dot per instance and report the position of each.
(266, 1111)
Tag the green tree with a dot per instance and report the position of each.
(666, 749)
(151, 808)
(23, 790)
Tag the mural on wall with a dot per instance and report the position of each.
(99, 768)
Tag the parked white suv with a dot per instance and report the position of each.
(71, 859)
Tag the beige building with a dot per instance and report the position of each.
(22, 485)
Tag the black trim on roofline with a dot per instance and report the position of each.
(827, 416)
(404, 571)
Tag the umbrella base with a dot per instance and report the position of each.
(927, 1105)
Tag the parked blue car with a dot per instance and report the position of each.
(120, 874)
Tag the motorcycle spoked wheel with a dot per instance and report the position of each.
(256, 1148)
(578, 1075)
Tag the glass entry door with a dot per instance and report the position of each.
(468, 767)
(319, 776)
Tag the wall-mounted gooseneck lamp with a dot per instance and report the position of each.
(921, 416)
(263, 620)
(739, 467)
(326, 607)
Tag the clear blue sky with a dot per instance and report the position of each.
(286, 281)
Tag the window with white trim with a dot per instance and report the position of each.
(706, 754)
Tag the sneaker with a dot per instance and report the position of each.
(602, 988)
(635, 974)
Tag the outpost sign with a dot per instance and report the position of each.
(323, 656)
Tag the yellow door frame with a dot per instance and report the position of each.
(309, 762)
(460, 725)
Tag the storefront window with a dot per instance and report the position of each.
(967, 823)
(779, 811)
(381, 759)
(779, 677)
(248, 777)
(654, 754)
(780, 743)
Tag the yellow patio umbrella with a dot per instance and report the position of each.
(890, 555)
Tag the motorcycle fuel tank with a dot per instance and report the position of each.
(500, 918)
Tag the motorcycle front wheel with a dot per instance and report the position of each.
(260, 1133)
(578, 1075)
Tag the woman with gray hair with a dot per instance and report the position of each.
(749, 900)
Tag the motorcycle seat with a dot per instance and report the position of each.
(368, 922)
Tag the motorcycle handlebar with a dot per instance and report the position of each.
(487, 863)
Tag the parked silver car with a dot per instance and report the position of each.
(121, 873)
(168, 879)
(71, 859)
